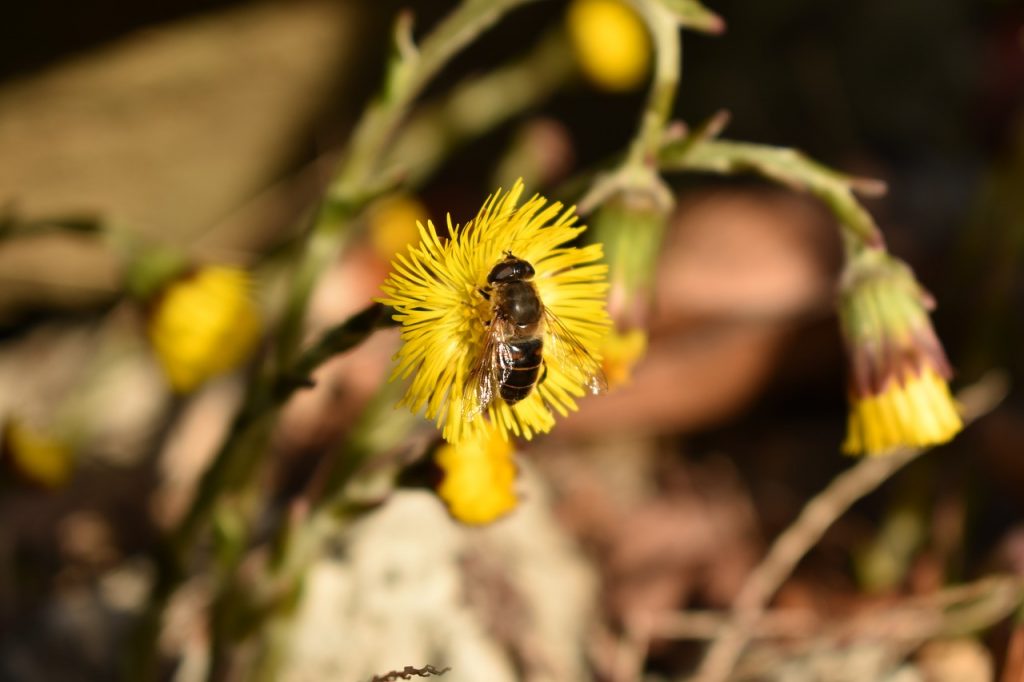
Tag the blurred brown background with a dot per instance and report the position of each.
(213, 125)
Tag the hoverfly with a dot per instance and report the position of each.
(512, 361)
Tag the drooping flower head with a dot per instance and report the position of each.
(436, 291)
(204, 324)
(898, 374)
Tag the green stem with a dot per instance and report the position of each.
(232, 466)
(358, 179)
(785, 166)
(355, 184)
(255, 416)
(478, 105)
(664, 30)
(348, 194)
(409, 76)
(638, 171)
(318, 515)
(322, 248)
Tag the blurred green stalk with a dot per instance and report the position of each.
(358, 180)
(788, 167)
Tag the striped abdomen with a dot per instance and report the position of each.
(520, 367)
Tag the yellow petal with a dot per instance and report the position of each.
(920, 412)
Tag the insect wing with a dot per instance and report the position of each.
(486, 376)
(568, 348)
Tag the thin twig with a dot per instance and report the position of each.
(805, 532)
(408, 672)
(950, 612)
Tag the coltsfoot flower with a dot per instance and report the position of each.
(440, 294)
(610, 43)
(898, 380)
(203, 325)
(479, 477)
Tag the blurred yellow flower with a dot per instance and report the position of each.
(610, 42)
(203, 325)
(438, 292)
(898, 390)
(479, 477)
(619, 354)
(37, 456)
(391, 223)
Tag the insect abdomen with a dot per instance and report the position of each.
(520, 368)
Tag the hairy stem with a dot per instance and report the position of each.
(664, 30)
(785, 166)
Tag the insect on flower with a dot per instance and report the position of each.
(512, 361)
(502, 322)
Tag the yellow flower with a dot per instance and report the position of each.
(610, 42)
(436, 292)
(620, 352)
(392, 224)
(204, 325)
(37, 456)
(479, 477)
(898, 376)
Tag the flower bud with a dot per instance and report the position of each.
(203, 325)
(479, 477)
(36, 456)
(898, 370)
(631, 224)
(610, 42)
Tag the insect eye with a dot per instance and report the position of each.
(499, 273)
(509, 270)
